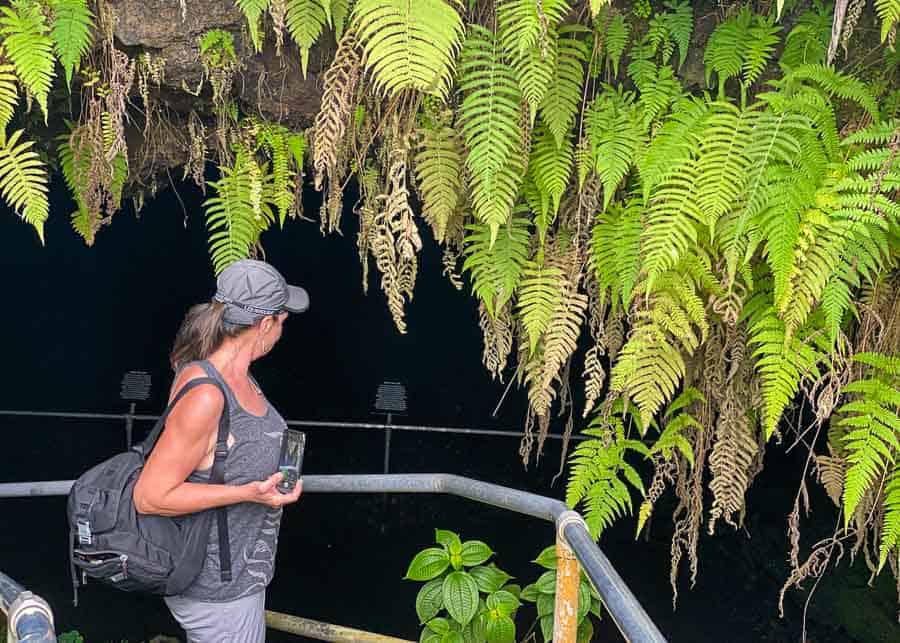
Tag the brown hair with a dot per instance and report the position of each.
(202, 331)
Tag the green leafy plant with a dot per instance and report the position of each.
(543, 594)
(478, 600)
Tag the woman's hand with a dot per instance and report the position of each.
(265, 493)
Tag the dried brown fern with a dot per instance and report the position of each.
(735, 444)
(278, 11)
(336, 112)
(497, 337)
(196, 161)
(594, 374)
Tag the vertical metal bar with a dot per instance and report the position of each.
(387, 445)
(129, 425)
(565, 610)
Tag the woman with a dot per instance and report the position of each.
(221, 339)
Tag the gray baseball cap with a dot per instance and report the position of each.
(252, 289)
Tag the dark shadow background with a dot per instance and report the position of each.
(76, 318)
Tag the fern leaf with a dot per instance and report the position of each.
(538, 297)
(489, 115)
(409, 45)
(73, 23)
(808, 40)
(9, 97)
(674, 143)
(525, 25)
(889, 12)
(550, 166)
(762, 38)
(841, 85)
(339, 10)
(496, 270)
(26, 42)
(782, 363)
(616, 41)
(615, 136)
(597, 5)
(890, 528)
(534, 70)
(304, 20)
(253, 10)
(563, 97)
(23, 181)
(680, 25)
(723, 160)
(616, 251)
(439, 174)
(724, 54)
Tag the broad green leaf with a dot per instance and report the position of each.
(428, 564)
(546, 584)
(461, 597)
(475, 552)
(547, 558)
(503, 602)
(453, 637)
(530, 593)
(489, 579)
(430, 600)
(547, 627)
(439, 625)
(448, 540)
(597, 608)
(513, 589)
(584, 600)
(585, 631)
(545, 604)
(428, 636)
(501, 630)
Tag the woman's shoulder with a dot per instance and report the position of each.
(200, 394)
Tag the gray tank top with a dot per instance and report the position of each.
(252, 527)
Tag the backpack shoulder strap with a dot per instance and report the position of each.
(217, 475)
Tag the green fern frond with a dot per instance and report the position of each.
(439, 174)
(890, 527)
(616, 41)
(304, 20)
(23, 181)
(409, 45)
(236, 215)
(616, 135)
(875, 134)
(616, 251)
(762, 38)
(838, 84)
(534, 71)
(27, 43)
(724, 54)
(889, 13)
(273, 138)
(672, 436)
(489, 114)
(723, 159)
(674, 143)
(338, 13)
(9, 97)
(807, 43)
(538, 296)
(680, 24)
(598, 467)
(563, 97)
(782, 363)
(550, 166)
(497, 269)
(73, 24)
(253, 10)
(522, 24)
(873, 425)
(597, 5)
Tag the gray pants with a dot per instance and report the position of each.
(242, 620)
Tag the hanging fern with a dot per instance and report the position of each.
(73, 23)
(889, 13)
(23, 181)
(871, 417)
(254, 10)
(27, 43)
(890, 530)
(599, 472)
(409, 45)
(550, 166)
(304, 20)
(489, 114)
(616, 136)
(9, 97)
(563, 97)
(237, 214)
(525, 25)
(538, 296)
(439, 173)
(615, 252)
(497, 269)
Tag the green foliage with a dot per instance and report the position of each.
(304, 20)
(9, 97)
(73, 23)
(543, 594)
(616, 135)
(599, 470)
(489, 114)
(476, 596)
(549, 168)
(72, 636)
(409, 45)
(615, 252)
(254, 10)
(889, 12)
(23, 181)
(740, 46)
(563, 96)
(497, 269)
(439, 172)
(27, 43)
(217, 49)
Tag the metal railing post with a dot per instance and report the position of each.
(568, 581)
(29, 618)
(129, 425)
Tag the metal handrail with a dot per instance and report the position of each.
(29, 618)
(627, 613)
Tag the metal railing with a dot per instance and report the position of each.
(571, 531)
(29, 618)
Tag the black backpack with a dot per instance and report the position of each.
(112, 543)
